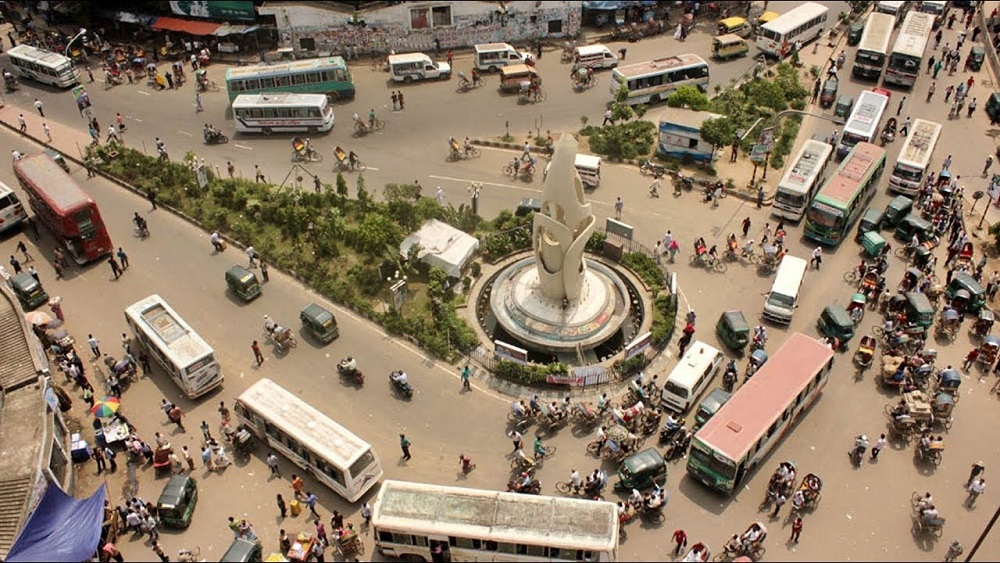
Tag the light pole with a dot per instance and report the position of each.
(474, 190)
(397, 290)
(80, 34)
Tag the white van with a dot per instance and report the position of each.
(493, 56)
(690, 377)
(588, 167)
(11, 211)
(417, 66)
(595, 56)
(781, 300)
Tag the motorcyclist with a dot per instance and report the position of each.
(269, 325)
(635, 499)
(400, 378)
(760, 335)
(467, 146)
(462, 79)
(860, 446)
(518, 408)
(140, 223)
(525, 480)
(349, 365)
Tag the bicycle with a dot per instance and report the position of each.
(709, 263)
(549, 452)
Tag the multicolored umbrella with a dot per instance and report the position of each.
(38, 318)
(106, 407)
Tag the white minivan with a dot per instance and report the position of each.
(690, 377)
(417, 66)
(11, 211)
(492, 56)
(595, 56)
(588, 167)
(782, 299)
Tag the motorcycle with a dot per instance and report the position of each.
(678, 445)
(534, 488)
(350, 372)
(404, 388)
(215, 137)
(647, 168)
(122, 368)
(141, 228)
(729, 377)
(668, 432)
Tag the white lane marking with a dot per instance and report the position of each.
(185, 133)
(367, 168)
(144, 93)
(239, 146)
(467, 181)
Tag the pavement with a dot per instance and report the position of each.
(864, 514)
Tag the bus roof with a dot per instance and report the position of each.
(812, 156)
(795, 17)
(273, 69)
(306, 423)
(751, 410)
(841, 186)
(279, 99)
(508, 517)
(41, 56)
(160, 321)
(867, 113)
(913, 36)
(877, 33)
(659, 65)
(51, 183)
(920, 143)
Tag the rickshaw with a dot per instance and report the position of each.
(984, 323)
(949, 323)
(942, 407)
(829, 93)
(283, 339)
(811, 487)
(757, 359)
(743, 547)
(975, 59)
(965, 293)
(919, 310)
(889, 131)
(843, 107)
(965, 255)
(584, 413)
(901, 428)
(362, 126)
(584, 78)
(921, 256)
(770, 259)
(836, 322)
(302, 150)
(988, 350)
(948, 381)
(869, 283)
(866, 352)
(873, 243)
(923, 525)
(204, 83)
(698, 552)
(856, 308)
(349, 545)
(776, 485)
(898, 208)
(931, 450)
(733, 330)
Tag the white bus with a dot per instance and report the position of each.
(915, 157)
(652, 81)
(863, 124)
(894, 8)
(935, 8)
(414, 520)
(908, 52)
(43, 66)
(265, 113)
(874, 46)
(803, 23)
(801, 180)
(189, 360)
(310, 439)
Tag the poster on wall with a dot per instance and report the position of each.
(229, 10)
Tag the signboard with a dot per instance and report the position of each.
(758, 153)
(563, 379)
(226, 10)
(398, 291)
(510, 352)
(614, 227)
(767, 138)
(202, 176)
(639, 344)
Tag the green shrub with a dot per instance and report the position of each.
(645, 267)
(624, 140)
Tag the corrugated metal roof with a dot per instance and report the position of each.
(17, 366)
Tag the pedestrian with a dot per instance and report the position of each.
(223, 411)
(144, 362)
(796, 529)
(680, 538)
(619, 206)
(99, 460)
(252, 256)
(906, 127)
(121, 122)
(972, 108)
(466, 375)
(95, 345)
(947, 164)
(439, 196)
(402, 104)
(198, 107)
(88, 391)
(947, 92)
(170, 79)
(23, 249)
(176, 416)
(311, 501)
(272, 464)
(123, 258)
(258, 175)
(34, 273)
(975, 489)
(230, 169)
(112, 134)
(337, 520)
(109, 455)
(735, 150)
(14, 263)
(879, 445)
(515, 437)
(47, 131)
(166, 406)
(206, 431)
(672, 249)
(263, 271)
(404, 444)
(38, 106)
(115, 268)
(937, 68)
(608, 118)
(151, 196)
(977, 469)
(930, 64)
(450, 57)
(188, 458)
(281, 506)
(395, 100)
(159, 552)
(257, 356)
(206, 457)
(90, 74)
(760, 196)
(970, 359)
(779, 500)
(22, 123)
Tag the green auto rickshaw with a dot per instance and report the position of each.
(733, 330)
(974, 61)
(243, 283)
(854, 33)
(919, 309)
(177, 501)
(836, 322)
(870, 221)
(641, 470)
(320, 323)
(896, 210)
(993, 106)
(976, 294)
(29, 292)
(914, 224)
(873, 243)
(243, 551)
(709, 406)
(843, 106)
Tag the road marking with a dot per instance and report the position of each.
(239, 146)
(143, 93)
(185, 133)
(466, 181)
(370, 168)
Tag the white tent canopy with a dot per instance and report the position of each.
(443, 246)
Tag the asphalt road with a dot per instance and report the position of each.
(864, 513)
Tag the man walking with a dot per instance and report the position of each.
(15, 264)
(619, 206)
(930, 91)
(258, 175)
(38, 106)
(188, 458)
(404, 444)
(23, 249)
(272, 464)
(899, 108)
(515, 437)
(402, 104)
(817, 257)
(394, 101)
(198, 107)
(99, 460)
(311, 501)
(115, 268)
(123, 258)
(681, 539)
(47, 131)
(746, 226)
(879, 445)
(95, 345)
(151, 196)
(466, 375)
(176, 416)
(977, 469)
(22, 124)
(257, 356)
(796, 529)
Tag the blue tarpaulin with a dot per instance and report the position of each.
(611, 5)
(62, 528)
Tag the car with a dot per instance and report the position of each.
(320, 323)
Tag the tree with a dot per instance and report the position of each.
(376, 231)
(341, 185)
(620, 110)
(719, 131)
(689, 96)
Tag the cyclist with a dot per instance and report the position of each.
(540, 451)
(714, 253)
(467, 146)
(475, 75)
(371, 118)
(353, 159)
(575, 481)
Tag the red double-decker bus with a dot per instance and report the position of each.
(63, 207)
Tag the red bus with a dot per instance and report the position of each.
(63, 207)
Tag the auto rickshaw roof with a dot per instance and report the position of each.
(317, 313)
(986, 315)
(240, 273)
(942, 398)
(240, 550)
(992, 340)
(951, 376)
(950, 314)
(173, 491)
(732, 22)
(966, 282)
(838, 315)
(646, 460)
(736, 321)
(759, 357)
(916, 221)
(24, 283)
(920, 302)
(714, 401)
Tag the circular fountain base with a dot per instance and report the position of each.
(540, 323)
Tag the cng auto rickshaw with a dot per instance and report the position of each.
(854, 33)
(729, 46)
(709, 406)
(28, 291)
(836, 322)
(974, 61)
(870, 221)
(733, 330)
(919, 310)
(975, 296)
(319, 323)
(734, 26)
(873, 243)
(843, 107)
(914, 224)
(756, 360)
(177, 501)
(992, 106)
(243, 283)
(243, 551)
(898, 208)
(641, 470)
(829, 93)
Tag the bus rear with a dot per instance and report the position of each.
(874, 46)
(908, 52)
(915, 157)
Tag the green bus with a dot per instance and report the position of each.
(845, 195)
(327, 75)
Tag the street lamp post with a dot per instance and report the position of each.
(80, 34)
(474, 190)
